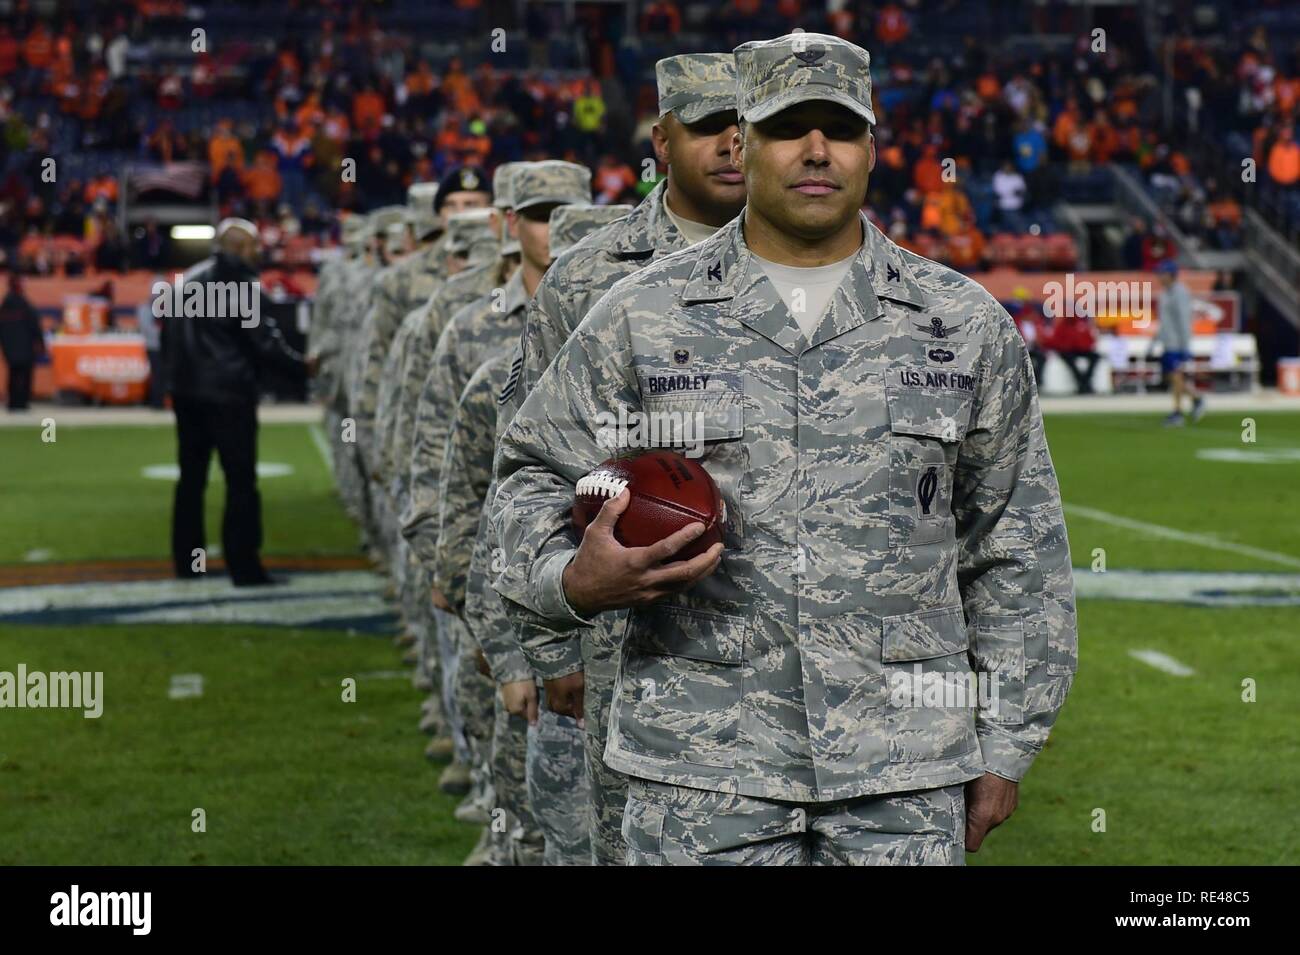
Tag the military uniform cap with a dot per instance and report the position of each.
(772, 75)
(551, 180)
(385, 216)
(695, 85)
(420, 197)
(461, 179)
(571, 223)
(464, 228)
(503, 196)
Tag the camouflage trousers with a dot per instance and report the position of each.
(347, 470)
(674, 825)
(558, 789)
(474, 695)
(608, 788)
(516, 834)
(446, 632)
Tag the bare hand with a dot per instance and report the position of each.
(439, 601)
(564, 696)
(312, 365)
(520, 699)
(990, 801)
(481, 664)
(605, 575)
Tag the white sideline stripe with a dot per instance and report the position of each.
(1163, 662)
(318, 439)
(1202, 540)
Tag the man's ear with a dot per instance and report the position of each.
(659, 140)
(738, 150)
(512, 224)
(871, 148)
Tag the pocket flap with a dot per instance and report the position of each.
(940, 415)
(683, 419)
(693, 634)
(924, 635)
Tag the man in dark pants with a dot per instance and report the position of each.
(212, 362)
(21, 342)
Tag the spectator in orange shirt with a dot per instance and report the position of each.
(225, 150)
(966, 246)
(927, 174)
(368, 110)
(1102, 138)
(1284, 158)
(38, 49)
(612, 178)
(1067, 122)
(262, 182)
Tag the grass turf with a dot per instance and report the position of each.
(1185, 771)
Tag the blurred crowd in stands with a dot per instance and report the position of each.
(979, 136)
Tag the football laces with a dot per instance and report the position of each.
(601, 484)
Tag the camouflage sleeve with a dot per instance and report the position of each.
(414, 368)
(549, 444)
(485, 610)
(380, 325)
(384, 404)
(548, 323)
(442, 386)
(467, 472)
(1014, 560)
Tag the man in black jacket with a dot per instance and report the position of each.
(21, 342)
(213, 347)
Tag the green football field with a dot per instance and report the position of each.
(1155, 760)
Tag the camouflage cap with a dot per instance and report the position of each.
(354, 230)
(695, 85)
(502, 181)
(395, 236)
(551, 180)
(772, 75)
(571, 223)
(466, 228)
(420, 197)
(384, 216)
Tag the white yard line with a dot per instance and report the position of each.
(1169, 533)
(1162, 662)
(318, 439)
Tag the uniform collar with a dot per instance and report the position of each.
(648, 228)
(514, 297)
(723, 272)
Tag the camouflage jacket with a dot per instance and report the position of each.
(433, 315)
(323, 337)
(470, 338)
(892, 520)
(574, 282)
(397, 289)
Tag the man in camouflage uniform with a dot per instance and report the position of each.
(892, 516)
(346, 318)
(326, 336)
(398, 289)
(487, 267)
(697, 100)
(463, 563)
(472, 335)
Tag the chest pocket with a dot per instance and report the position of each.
(710, 427)
(926, 429)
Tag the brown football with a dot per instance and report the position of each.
(668, 491)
